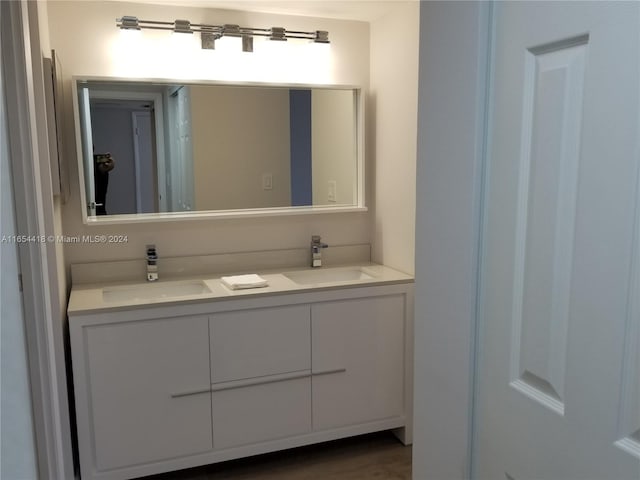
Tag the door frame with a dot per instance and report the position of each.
(453, 120)
(84, 110)
(43, 283)
(158, 125)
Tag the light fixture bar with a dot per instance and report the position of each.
(211, 33)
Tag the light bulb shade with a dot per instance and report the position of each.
(208, 40)
(128, 23)
(247, 43)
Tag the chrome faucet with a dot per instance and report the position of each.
(316, 247)
(152, 263)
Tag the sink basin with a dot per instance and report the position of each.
(154, 291)
(329, 275)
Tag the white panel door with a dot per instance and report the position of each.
(17, 442)
(560, 296)
(181, 164)
(145, 162)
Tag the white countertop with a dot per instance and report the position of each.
(89, 298)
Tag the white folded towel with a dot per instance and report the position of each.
(237, 282)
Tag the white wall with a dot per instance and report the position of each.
(453, 59)
(94, 46)
(394, 98)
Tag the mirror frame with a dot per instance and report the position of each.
(226, 214)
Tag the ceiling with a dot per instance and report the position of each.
(362, 10)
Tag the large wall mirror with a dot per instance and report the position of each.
(156, 150)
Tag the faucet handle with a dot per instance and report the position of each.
(316, 243)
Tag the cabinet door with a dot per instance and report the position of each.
(357, 361)
(143, 383)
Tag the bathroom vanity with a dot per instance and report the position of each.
(186, 372)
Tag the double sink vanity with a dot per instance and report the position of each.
(185, 371)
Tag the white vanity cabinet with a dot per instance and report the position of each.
(164, 388)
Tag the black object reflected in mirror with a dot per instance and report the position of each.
(103, 164)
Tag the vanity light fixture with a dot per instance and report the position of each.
(210, 33)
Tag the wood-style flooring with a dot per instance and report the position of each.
(378, 456)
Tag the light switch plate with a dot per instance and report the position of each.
(267, 181)
(331, 194)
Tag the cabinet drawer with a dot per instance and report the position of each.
(255, 343)
(258, 413)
